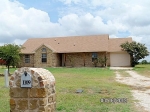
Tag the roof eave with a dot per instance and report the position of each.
(27, 53)
(78, 51)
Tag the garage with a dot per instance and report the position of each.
(119, 59)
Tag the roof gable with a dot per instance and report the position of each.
(43, 45)
(114, 43)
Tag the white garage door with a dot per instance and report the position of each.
(119, 59)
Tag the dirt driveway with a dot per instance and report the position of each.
(141, 88)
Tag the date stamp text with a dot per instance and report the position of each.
(113, 100)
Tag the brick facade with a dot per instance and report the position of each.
(84, 59)
(22, 62)
(55, 60)
(74, 51)
(62, 59)
(38, 57)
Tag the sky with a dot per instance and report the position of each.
(23, 19)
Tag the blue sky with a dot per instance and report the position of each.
(23, 19)
(49, 6)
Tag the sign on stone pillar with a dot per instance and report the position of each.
(26, 80)
(32, 90)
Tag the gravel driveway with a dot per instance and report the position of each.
(141, 85)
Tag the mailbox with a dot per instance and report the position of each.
(32, 90)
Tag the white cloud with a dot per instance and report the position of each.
(137, 39)
(73, 1)
(86, 24)
(70, 1)
(113, 36)
(78, 17)
(19, 23)
(18, 41)
(140, 30)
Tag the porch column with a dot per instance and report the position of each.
(106, 59)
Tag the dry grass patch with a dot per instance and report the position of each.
(124, 73)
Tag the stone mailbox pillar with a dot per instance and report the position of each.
(32, 90)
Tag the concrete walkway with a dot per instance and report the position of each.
(121, 68)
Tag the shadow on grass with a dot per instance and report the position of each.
(139, 67)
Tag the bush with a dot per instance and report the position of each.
(103, 61)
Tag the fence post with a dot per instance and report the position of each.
(6, 78)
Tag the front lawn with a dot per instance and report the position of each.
(2, 69)
(143, 69)
(96, 83)
(4, 96)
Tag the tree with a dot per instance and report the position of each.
(136, 51)
(10, 53)
(144, 62)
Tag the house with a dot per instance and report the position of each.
(78, 51)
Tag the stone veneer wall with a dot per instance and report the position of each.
(56, 60)
(53, 59)
(22, 63)
(76, 58)
(83, 59)
(40, 98)
(38, 57)
(108, 59)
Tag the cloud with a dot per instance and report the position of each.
(19, 41)
(19, 23)
(113, 36)
(72, 1)
(137, 39)
(85, 25)
(78, 17)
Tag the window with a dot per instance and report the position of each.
(44, 57)
(94, 56)
(43, 49)
(27, 58)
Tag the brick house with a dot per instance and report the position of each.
(78, 51)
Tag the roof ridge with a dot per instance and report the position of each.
(121, 38)
(69, 36)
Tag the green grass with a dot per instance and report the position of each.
(143, 69)
(96, 83)
(2, 69)
(4, 96)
